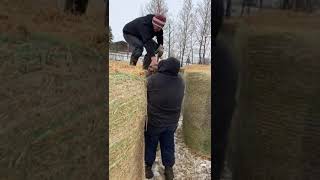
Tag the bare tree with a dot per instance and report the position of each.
(170, 38)
(110, 35)
(192, 49)
(168, 31)
(106, 18)
(193, 31)
(285, 4)
(304, 5)
(157, 7)
(260, 4)
(203, 21)
(228, 8)
(185, 21)
(246, 4)
(298, 5)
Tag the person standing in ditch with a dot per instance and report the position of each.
(165, 91)
(139, 33)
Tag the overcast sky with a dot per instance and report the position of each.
(123, 11)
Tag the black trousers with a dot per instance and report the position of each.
(165, 136)
(136, 45)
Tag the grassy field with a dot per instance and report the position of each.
(52, 76)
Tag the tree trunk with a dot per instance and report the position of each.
(182, 55)
(284, 4)
(191, 51)
(204, 49)
(309, 5)
(243, 6)
(169, 51)
(248, 4)
(106, 13)
(228, 8)
(200, 62)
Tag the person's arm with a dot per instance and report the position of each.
(149, 47)
(148, 44)
(149, 87)
(160, 37)
(160, 42)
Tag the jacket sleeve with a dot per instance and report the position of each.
(149, 87)
(149, 47)
(160, 37)
(148, 44)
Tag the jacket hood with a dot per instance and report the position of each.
(170, 66)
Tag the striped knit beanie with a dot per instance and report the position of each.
(159, 20)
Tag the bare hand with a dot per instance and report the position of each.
(153, 61)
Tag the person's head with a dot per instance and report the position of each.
(170, 66)
(158, 21)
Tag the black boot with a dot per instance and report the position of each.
(168, 173)
(148, 172)
(133, 61)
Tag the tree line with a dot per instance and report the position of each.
(297, 5)
(186, 33)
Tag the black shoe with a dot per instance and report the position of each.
(148, 172)
(133, 61)
(168, 173)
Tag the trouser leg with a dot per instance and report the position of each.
(167, 147)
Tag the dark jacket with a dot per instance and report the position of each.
(165, 91)
(142, 28)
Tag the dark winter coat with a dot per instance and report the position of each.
(142, 28)
(165, 91)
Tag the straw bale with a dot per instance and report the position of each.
(127, 112)
(197, 109)
(51, 110)
(274, 129)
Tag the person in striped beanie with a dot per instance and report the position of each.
(139, 33)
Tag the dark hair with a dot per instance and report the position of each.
(217, 17)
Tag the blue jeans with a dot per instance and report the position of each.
(165, 136)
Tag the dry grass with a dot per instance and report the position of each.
(124, 67)
(197, 68)
(127, 112)
(197, 109)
